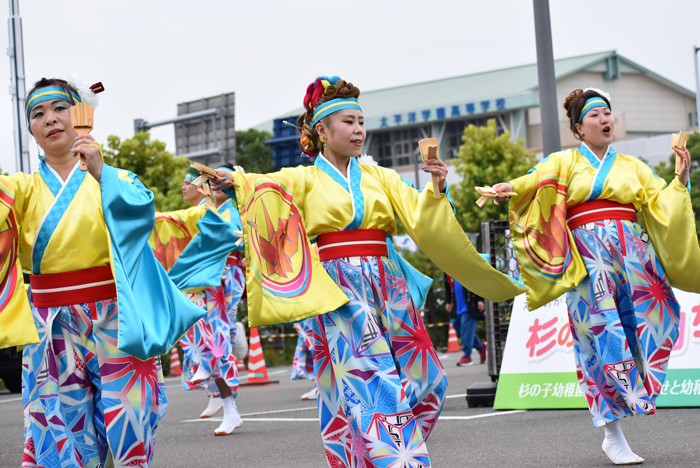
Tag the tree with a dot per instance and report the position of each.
(485, 160)
(158, 169)
(668, 172)
(251, 151)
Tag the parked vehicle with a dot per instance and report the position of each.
(11, 368)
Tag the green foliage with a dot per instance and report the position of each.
(251, 151)
(158, 169)
(485, 160)
(668, 172)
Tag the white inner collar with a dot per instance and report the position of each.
(320, 155)
(607, 151)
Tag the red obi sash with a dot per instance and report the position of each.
(598, 210)
(354, 243)
(73, 287)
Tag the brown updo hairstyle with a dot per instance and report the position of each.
(341, 89)
(574, 103)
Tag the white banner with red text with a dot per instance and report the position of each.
(538, 369)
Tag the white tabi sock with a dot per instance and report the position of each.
(617, 449)
(310, 395)
(216, 404)
(200, 376)
(232, 419)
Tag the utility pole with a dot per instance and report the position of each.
(697, 89)
(17, 89)
(547, 79)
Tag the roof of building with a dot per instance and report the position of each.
(503, 82)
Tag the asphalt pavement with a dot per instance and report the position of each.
(280, 430)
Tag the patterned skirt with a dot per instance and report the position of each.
(209, 343)
(86, 403)
(303, 363)
(624, 320)
(380, 383)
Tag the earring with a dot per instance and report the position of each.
(38, 152)
(323, 142)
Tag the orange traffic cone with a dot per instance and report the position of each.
(257, 371)
(240, 365)
(175, 366)
(452, 343)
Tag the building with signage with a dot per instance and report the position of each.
(645, 105)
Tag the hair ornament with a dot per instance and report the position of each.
(88, 94)
(318, 88)
(599, 91)
(309, 149)
(367, 159)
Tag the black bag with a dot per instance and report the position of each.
(472, 301)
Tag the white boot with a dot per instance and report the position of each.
(200, 376)
(310, 395)
(617, 449)
(215, 405)
(232, 419)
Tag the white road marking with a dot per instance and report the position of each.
(255, 414)
(477, 416)
(281, 419)
(11, 399)
(242, 377)
(461, 395)
(282, 411)
(447, 418)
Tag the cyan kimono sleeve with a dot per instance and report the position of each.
(200, 263)
(670, 222)
(418, 283)
(153, 314)
(433, 227)
(16, 321)
(237, 225)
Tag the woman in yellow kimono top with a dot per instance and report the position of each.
(99, 307)
(380, 384)
(576, 232)
(178, 238)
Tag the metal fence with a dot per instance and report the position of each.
(496, 241)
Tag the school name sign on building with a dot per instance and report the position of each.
(539, 372)
(452, 111)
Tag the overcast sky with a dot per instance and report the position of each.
(153, 54)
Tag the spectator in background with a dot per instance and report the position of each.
(450, 301)
(469, 310)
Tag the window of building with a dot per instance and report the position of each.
(398, 147)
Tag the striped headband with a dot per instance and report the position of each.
(51, 93)
(591, 103)
(334, 105)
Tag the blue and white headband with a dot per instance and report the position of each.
(51, 93)
(334, 105)
(592, 103)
